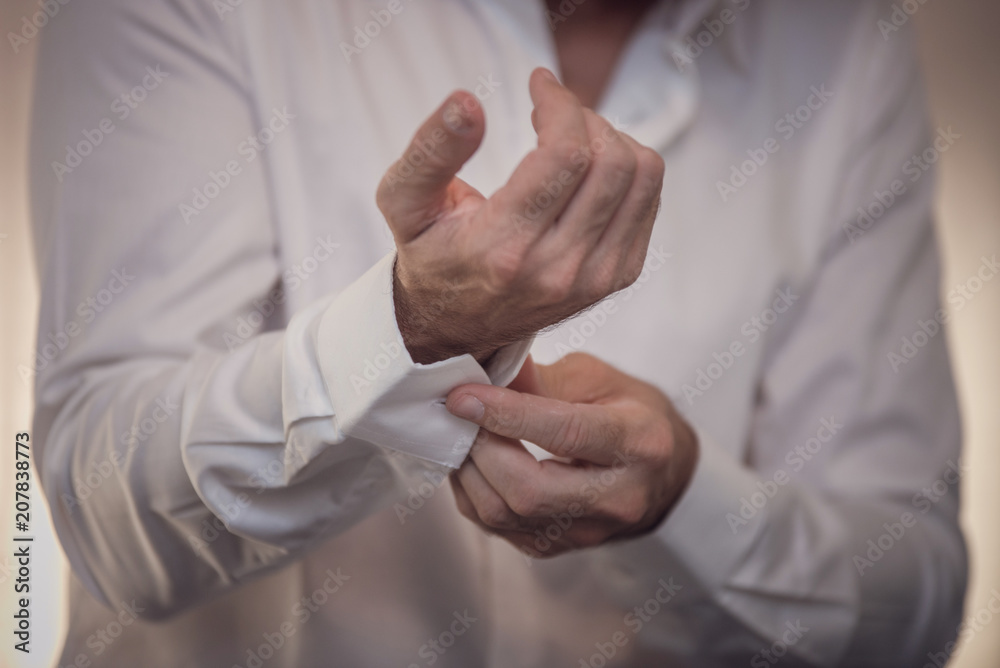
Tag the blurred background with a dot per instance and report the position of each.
(960, 52)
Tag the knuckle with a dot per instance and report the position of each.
(650, 185)
(503, 269)
(627, 507)
(556, 286)
(525, 500)
(567, 153)
(571, 433)
(605, 197)
(658, 443)
(612, 431)
(596, 290)
(621, 164)
(507, 419)
(632, 271)
(631, 513)
(383, 196)
(651, 164)
(496, 515)
(604, 280)
(589, 538)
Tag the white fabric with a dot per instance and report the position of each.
(239, 361)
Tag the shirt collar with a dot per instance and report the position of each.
(687, 19)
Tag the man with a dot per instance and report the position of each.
(261, 374)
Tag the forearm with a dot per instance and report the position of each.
(750, 572)
(165, 486)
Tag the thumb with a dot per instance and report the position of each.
(579, 378)
(414, 189)
(528, 379)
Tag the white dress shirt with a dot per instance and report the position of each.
(244, 465)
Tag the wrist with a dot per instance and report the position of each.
(426, 338)
(680, 471)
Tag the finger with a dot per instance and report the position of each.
(535, 490)
(462, 500)
(579, 377)
(586, 518)
(540, 494)
(561, 536)
(528, 379)
(535, 546)
(609, 179)
(621, 251)
(527, 542)
(547, 538)
(575, 378)
(489, 507)
(550, 175)
(415, 188)
(575, 431)
(465, 506)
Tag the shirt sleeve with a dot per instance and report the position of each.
(176, 465)
(835, 541)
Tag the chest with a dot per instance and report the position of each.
(698, 316)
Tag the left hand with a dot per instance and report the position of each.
(626, 456)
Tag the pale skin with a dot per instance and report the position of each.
(473, 274)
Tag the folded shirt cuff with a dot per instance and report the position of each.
(699, 535)
(379, 394)
(701, 529)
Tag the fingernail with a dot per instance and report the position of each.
(468, 407)
(547, 73)
(457, 118)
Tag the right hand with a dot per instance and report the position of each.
(570, 227)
